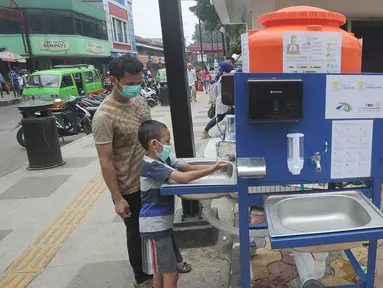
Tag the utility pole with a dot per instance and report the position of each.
(200, 39)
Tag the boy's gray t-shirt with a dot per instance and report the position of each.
(157, 211)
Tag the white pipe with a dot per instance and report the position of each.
(308, 270)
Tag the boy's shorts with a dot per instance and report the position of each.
(160, 255)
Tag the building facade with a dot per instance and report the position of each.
(55, 33)
(119, 19)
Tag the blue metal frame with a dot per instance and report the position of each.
(255, 140)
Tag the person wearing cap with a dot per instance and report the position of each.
(192, 79)
(225, 67)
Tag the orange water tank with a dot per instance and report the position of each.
(266, 46)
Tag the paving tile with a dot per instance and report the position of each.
(268, 246)
(261, 284)
(4, 233)
(260, 272)
(294, 283)
(360, 252)
(264, 257)
(34, 187)
(90, 146)
(114, 274)
(281, 273)
(379, 268)
(343, 269)
(378, 282)
(331, 281)
(364, 261)
(335, 255)
(287, 257)
(78, 162)
(117, 219)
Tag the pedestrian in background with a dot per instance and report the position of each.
(205, 79)
(14, 82)
(192, 80)
(3, 86)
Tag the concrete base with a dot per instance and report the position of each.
(194, 232)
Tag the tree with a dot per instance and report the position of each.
(211, 23)
(207, 14)
(206, 36)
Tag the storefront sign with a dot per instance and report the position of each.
(94, 47)
(54, 45)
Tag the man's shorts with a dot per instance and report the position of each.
(160, 255)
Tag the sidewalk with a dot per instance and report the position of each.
(59, 230)
(8, 100)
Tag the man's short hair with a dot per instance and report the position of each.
(150, 130)
(126, 63)
(231, 59)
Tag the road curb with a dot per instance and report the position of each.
(10, 102)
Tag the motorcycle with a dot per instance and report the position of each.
(74, 116)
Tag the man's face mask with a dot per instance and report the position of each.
(129, 91)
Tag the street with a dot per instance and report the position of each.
(12, 155)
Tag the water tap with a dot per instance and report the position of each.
(316, 160)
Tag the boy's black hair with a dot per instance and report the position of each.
(150, 130)
(126, 63)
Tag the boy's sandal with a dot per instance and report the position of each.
(185, 268)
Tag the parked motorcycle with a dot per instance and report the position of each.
(74, 116)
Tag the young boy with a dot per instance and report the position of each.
(159, 252)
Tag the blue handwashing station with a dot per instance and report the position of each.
(299, 138)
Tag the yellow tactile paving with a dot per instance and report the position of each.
(37, 256)
(18, 280)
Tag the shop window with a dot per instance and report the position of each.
(88, 76)
(66, 81)
(8, 26)
(120, 31)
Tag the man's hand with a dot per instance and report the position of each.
(122, 208)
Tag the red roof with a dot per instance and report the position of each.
(205, 47)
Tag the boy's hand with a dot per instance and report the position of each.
(220, 166)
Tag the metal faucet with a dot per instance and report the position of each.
(225, 142)
(316, 160)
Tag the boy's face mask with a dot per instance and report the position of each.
(165, 153)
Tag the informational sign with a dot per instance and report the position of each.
(351, 149)
(312, 52)
(54, 45)
(245, 52)
(354, 96)
(94, 47)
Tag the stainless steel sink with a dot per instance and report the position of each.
(227, 177)
(303, 214)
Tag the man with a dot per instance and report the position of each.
(2, 86)
(15, 82)
(115, 128)
(192, 78)
(225, 67)
(162, 77)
